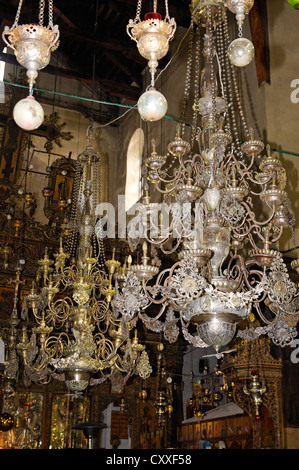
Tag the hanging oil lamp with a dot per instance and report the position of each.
(152, 37)
(32, 45)
(256, 391)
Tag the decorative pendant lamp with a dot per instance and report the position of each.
(67, 328)
(32, 45)
(255, 390)
(152, 37)
(241, 50)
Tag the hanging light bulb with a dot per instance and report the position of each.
(28, 113)
(152, 105)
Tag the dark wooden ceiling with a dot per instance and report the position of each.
(96, 50)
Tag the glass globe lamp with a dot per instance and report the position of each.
(217, 331)
(241, 52)
(215, 318)
(152, 105)
(77, 381)
(28, 114)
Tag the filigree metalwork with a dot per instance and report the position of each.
(144, 368)
(33, 43)
(131, 300)
(76, 333)
(152, 35)
(222, 212)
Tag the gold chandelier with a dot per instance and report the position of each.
(73, 335)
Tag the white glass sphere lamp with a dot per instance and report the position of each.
(28, 113)
(241, 52)
(152, 105)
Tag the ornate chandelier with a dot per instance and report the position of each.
(32, 45)
(73, 335)
(224, 208)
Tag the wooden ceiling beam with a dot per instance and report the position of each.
(64, 17)
(128, 71)
(69, 32)
(259, 32)
(110, 44)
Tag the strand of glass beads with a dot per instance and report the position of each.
(221, 57)
(236, 89)
(186, 96)
(70, 248)
(194, 130)
(211, 61)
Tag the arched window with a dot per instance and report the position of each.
(134, 161)
(2, 70)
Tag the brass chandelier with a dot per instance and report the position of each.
(224, 208)
(68, 328)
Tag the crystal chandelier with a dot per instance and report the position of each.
(32, 45)
(224, 208)
(152, 37)
(73, 335)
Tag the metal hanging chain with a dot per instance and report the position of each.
(42, 5)
(41, 12)
(211, 61)
(139, 6)
(15, 24)
(186, 96)
(167, 17)
(138, 11)
(197, 74)
(50, 25)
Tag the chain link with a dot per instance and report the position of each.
(138, 11)
(51, 14)
(186, 97)
(41, 13)
(167, 17)
(15, 24)
(196, 85)
(139, 6)
(211, 61)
